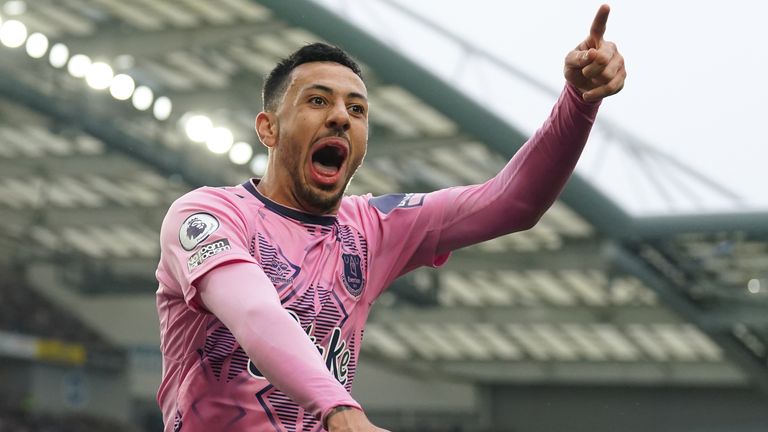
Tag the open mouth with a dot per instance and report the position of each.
(327, 159)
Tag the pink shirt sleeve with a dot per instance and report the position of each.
(202, 230)
(414, 230)
(243, 298)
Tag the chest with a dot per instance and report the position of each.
(300, 258)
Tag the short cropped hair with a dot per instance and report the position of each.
(277, 80)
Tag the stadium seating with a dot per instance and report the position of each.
(24, 311)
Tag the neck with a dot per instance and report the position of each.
(269, 187)
(276, 191)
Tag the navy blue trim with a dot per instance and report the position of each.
(386, 203)
(263, 403)
(289, 212)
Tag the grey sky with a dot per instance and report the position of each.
(696, 72)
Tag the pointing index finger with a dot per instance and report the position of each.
(598, 24)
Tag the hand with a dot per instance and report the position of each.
(347, 419)
(595, 67)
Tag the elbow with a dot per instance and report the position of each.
(529, 217)
(530, 222)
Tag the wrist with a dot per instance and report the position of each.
(340, 415)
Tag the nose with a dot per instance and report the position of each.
(338, 118)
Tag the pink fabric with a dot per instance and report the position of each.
(244, 299)
(326, 271)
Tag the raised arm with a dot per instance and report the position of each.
(421, 229)
(519, 195)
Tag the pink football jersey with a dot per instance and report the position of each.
(327, 270)
(319, 266)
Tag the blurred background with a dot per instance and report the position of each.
(639, 302)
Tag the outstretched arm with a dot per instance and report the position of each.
(519, 195)
(424, 228)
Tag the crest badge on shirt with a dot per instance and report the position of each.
(353, 274)
(196, 228)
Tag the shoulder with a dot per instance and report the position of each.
(207, 206)
(214, 200)
(354, 206)
(208, 195)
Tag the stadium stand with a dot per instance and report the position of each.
(24, 311)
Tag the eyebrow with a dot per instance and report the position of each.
(326, 89)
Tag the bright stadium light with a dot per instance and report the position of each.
(15, 7)
(122, 87)
(220, 140)
(78, 65)
(99, 76)
(162, 108)
(198, 127)
(13, 33)
(240, 153)
(259, 164)
(142, 98)
(37, 45)
(59, 55)
(754, 286)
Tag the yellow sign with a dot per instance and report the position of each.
(57, 351)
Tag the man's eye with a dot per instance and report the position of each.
(357, 109)
(317, 100)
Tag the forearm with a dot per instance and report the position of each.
(273, 340)
(515, 199)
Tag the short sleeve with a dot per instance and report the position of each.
(204, 229)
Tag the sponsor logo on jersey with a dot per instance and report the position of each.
(389, 202)
(352, 276)
(207, 251)
(336, 355)
(196, 228)
(411, 200)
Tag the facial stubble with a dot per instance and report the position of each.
(306, 194)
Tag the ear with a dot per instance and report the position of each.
(266, 128)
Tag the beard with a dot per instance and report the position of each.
(311, 197)
(323, 203)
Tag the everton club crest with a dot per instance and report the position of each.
(353, 274)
